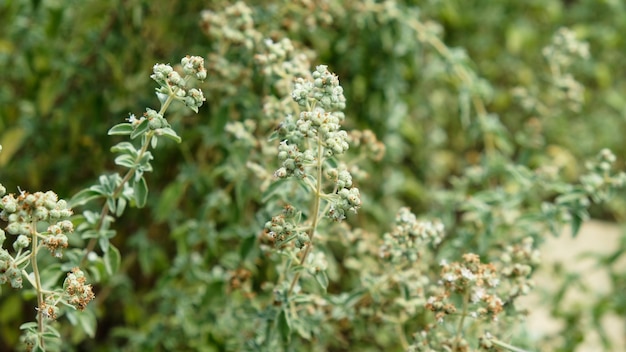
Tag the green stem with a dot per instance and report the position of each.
(507, 346)
(315, 213)
(105, 209)
(38, 288)
(459, 328)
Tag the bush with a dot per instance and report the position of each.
(361, 176)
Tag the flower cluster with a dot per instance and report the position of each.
(293, 160)
(317, 135)
(9, 271)
(78, 294)
(346, 200)
(233, 25)
(281, 60)
(599, 182)
(283, 228)
(371, 146)
(410, 237)
(561, 54)
(25, 210)
(517, 263)
(565, 47)
(469, 278)
(173, 84)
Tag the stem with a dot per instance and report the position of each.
(33, 263)
(507, 346)
(315, 212)
(105, 209)
(459, 328)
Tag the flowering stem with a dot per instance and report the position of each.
(38, 288)
(105, 209)
(316, 208)
(459, 328)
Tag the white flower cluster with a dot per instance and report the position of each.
(410, 237)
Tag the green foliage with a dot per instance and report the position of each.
(403, 209)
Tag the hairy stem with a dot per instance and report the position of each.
(105, 209)
(315, 213)
(37, 282)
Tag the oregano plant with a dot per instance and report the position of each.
(41, 222)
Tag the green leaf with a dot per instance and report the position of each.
(11, 140)
(284, 326)
(126, 148)
(126, 161)
(170, 134)
(273, 189)
(140, 129)
(322, 279)
(28, 326)
(112, 260)
(87, 321)
(84, 196)
(141, 192)
(578, 218)
(247, 245)
(169, 200)
(121, 205)
(104, 243)
(121, 129)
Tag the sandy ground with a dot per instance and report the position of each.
(594, 237)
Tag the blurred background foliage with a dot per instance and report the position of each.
(72, 69)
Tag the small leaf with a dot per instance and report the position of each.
(170, 134)
(284, 326)
(247, 246)
(577, 220)
(125, 147)
(28, 326)
(121, 205)
(84, 196)
(141, 192)
(169, 200)
(273, 188)
(125, 160)
(87, 321)
(104, 243)
(112, 260)
(121, 129)
(140, 129)
(322, 279)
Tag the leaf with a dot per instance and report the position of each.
(170, 134)
(121, 205)
(272, 189)
(11, 141)
(125, 147)
(28, 326)
(578, 218)
(121, 129)
(112, 260)
(247, 245)
(140, 129)
(84, 196)
(104, 243)
(322, 279)
(141, 192)
(284, 326)
(125, 160)
(87, 321)
(169, 200)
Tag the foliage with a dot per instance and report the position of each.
(364, 175)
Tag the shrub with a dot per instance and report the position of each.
(354, 182)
